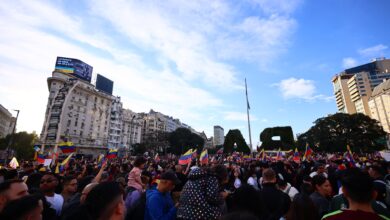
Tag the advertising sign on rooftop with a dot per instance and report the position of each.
(103, 84)
(75, 67)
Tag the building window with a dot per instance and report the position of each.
(68, 124)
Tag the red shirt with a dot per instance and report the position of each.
(353, 215)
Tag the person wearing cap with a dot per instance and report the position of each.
(159, 203)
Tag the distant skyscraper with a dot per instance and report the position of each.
(353, 87)
(7, 122)
(380, 104)
(219, 135)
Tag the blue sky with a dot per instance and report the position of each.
(189, 59)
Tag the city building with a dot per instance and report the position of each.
(76, 111)
(7, 122)
(131, 128)
(115, 128)
(219, 135)
(379, 104)
(353, 87)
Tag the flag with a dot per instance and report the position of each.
(308, 152)
(14, 163)
(246, 93)
(349, 156)
(67, 147)
(296, 157)
(279, 155)
(204, 157)
(41, 158)
(112, 153)
(186, 158)
(220, 151)
(65, 162)
(36, 148)
(247, 158)
(57, 168)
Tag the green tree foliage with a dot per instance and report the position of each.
(335, 132)
(235, 136)
(286, 141)
(182, 139)
(22, 144)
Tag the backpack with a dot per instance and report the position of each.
(137, 210)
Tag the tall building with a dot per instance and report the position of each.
(131, 128)
(7, 122)
(115, 129)
(76, 111)
(353, 87)
(379, 104)
(219, 135)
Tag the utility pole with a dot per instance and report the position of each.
(12, 136)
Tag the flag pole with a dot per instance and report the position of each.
(247, 112)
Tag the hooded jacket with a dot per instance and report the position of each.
(159, 206)
(200, 198)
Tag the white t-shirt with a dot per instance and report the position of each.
(237, 183)
(56, 202)
(252, 181)
(291, 191)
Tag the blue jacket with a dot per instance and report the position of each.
(159, 206)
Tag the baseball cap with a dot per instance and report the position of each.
(170, 175)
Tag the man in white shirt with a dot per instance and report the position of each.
(48, 184)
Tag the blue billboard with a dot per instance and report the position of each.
(75, 67)
(103, 84)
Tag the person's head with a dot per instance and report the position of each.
(375, 171)
(168, 181)
(69, 184)
(239, 216)
(86, 191)
(269, 176)
(357, 186)
(220, 172)
(48, 183)
(12, 190)
(322, 185)
(302, 207)
(139, 162)
(247, 199)
(105, 201)
(29, 207)
(321, 169)
(178, 168)
(282, 184)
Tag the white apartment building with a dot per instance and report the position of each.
(380, 104)
(76, 112)
(131, 128)
(7, 122)
(115, 128)
(219, 135)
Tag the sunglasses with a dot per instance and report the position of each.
(47, 181)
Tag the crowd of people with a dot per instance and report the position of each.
(143, 187)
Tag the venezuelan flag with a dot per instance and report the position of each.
(186, 158)
(112, 153)
(41, 158)
(308, 152)
(67, 147)
(296, 157)
(204, 157)
(279, 156)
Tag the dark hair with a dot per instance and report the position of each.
(359, 185)
(101, 197)
(17, 209)
(377, 169)
(247, 199)
(318, 180)
(302, 208)
(239, 216)
(139, 161)
(4, 186)
(67, 179)
(220, 172)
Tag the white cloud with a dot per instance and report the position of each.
(293, 88)
(349, 62)
(374, 51)
(238, 116)
(277, 6)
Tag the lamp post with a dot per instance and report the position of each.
(12, 136)
(131, 131)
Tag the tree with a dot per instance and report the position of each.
(156, 140)
(182, 139)
(22, 144)
(235, 136)
(335, 132)
(286, 141)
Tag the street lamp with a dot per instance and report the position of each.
(12, 135)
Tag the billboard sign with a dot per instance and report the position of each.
(75, 67)
(103, 84)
